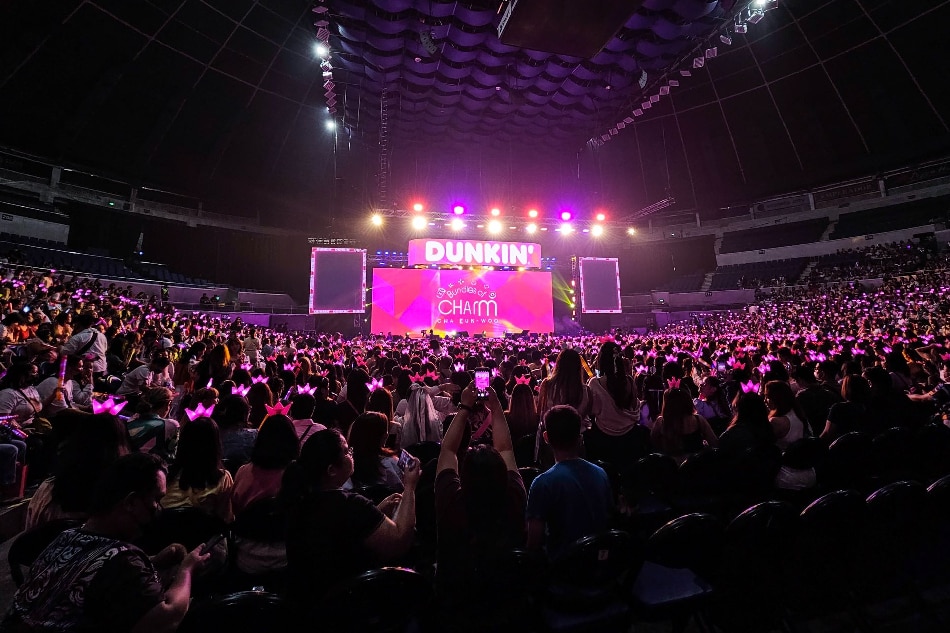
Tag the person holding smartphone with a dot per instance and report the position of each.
(480, 504)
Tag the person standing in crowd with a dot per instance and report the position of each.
(87, 339)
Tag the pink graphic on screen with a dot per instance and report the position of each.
(406, 301)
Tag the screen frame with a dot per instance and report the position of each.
(313, 277)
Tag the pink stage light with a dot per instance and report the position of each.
(565, 215)
(458, 209)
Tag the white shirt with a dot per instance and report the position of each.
(79, 339)
(75, 395)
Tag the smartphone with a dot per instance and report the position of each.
(405, 459)
(482, 380)
(211, 542)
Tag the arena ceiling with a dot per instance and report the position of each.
(227, 100)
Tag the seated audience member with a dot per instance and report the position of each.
(275, 448)
(332, 534)
(713, 404)
(197, 478)
(83, 457)
(259, 397)
(381, 401)
(143, 377)
(522, 413)
(151, 430)
(77, 387)
(787, 422)
(679, 431)
(301, 412)
(571, 499)
(93, 579)
(480, 504)
(237, 440)
(814, 398)
(373, 463)
(750, 427)
(852, 414)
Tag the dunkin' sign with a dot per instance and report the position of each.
(474, 253)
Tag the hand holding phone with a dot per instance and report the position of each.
(482, 382)
(210, 543)
(405, 459)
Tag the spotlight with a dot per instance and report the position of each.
(457, 224)
(601, 217)
(531, 228)
(496, 212)
(494, 226)
(631, 231)
(377, 219)
(533, 213)
(597, 230)
(419, 223)
(331, 125)
(566, 228)
(417, 207)
(458, 209)
(565, 215)
(321, 50)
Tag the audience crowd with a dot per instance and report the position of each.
(377, 450)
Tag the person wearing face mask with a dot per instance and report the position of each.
(92, 578)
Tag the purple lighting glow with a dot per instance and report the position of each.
(458, 209)
(565, 215)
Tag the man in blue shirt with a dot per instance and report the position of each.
(572, 499)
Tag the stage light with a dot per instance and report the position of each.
(494, 226)
(631, 231)
(566, 228)
(533, 213)
(496, 211)
(565, 215)
(419, 223)
(531, 228)
(457, 224)
(601, 217)
(417, 207)
(331, 125)
(458, 209)
(320, 49)
(377, 220)
(597, 230)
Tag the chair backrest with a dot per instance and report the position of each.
(930, 449)
(242, 611)
(891, 448)
(385, 599)
(692, 541)
(424, 451)
(27, 547)
(896, 511)
(594, 567)
(807, 452)
(849, 461)
(655, 474)
(707, 472)
(262, 520)
(189, 526)
(528, 474)
(831, 522)
(754, 469)
(938, 495)
(759, 540)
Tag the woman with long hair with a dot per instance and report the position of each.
(565, 385)
(616, 410)
(679, 431)
(522, 413)
(197, 478)
(853, 413)
(373, 463)
(275, 448)
(750, 427)
(354, 402)
(214, 367)
(332, 534)
(785, 415)
(259, 397)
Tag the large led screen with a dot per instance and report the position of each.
(407, 301)
(337, 281)
(600, 285)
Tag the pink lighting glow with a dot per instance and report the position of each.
(533, 213)
(496, 211)
(458, 209)
(565, 215)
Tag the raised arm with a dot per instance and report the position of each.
(448, 455)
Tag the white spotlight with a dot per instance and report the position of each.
(320, 49)
(331, 125)
(457, 224)
(419, 223)
(597, 230)
(494, 226)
